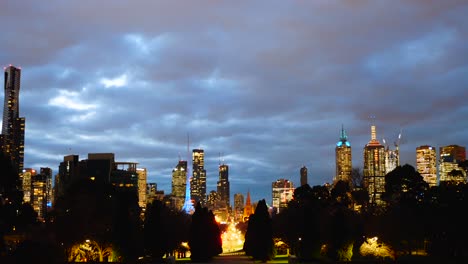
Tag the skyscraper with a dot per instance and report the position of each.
(343, 158)
(426, 164)
(179, 184)
(223, 186)
(198, 180)
(450, 156)
(374, 168)
(12, 138)
(142, 177)
(26, 178)
(238, 206)
(303, 173)
(282, 192)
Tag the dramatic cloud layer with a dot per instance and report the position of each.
(264, 84)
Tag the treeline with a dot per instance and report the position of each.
(322, 223)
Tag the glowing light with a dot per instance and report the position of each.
(233, 240)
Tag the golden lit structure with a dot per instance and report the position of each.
(248, 208)
(374, 168)
(198, 180)
(179, 184)
(142, 176)
(232, 238)
(426, 160)
(343, 158)
(449, 158)
(26, 178)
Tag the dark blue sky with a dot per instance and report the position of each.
(266, 83)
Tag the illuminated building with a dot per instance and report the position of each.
(248, 208)
(179, 184)
(151, 192)
(48, 176)
(374, 168)
(449, 157)
(213, 200)
(198, 180)
(26, 178)
(282, 191)
(343, 158)
(142, 176)
(238, 207)
(223, 186)
(303, 173)
(392, 156)
(40, 192)
(426, 164)
(12, 137)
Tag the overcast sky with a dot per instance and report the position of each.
(268, 84)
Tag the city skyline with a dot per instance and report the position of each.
(271, 91)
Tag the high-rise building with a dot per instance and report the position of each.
(179, 184)
(47, 172)
(282, 192)
(26, 178)
(223, 186)
(449, 158)
(142, 177)
(198, 180)
(40, 190)
(238, 206)
(392, 156)
(303, 173)
(151, 192)
(426, 164)
(13, 126)
(374, 168)
(343, 158)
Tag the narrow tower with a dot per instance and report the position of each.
(343, 158)
(13, 126)
(374, 168)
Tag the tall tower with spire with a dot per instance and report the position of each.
(343, 158)
(374, 168)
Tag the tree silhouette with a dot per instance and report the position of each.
(204, 235)
(259, 242)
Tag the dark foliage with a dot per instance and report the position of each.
(204, 236)
(259, 236)
(164, 230)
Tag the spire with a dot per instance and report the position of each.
(343, 136)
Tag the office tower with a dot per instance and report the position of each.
(392, 156)
(142, 176)
(12, 138)
(69, 171)
(303, 173)
(179, 184)
(238, 206)
(449, 158)
(374, 168)
(47, 172)
(39, 192)
(426, 164)
(198, 181)
(343, 158)
(26, 178)
(282, 192)
(248, 208)
(223, 186)
(213, 200)
(151, 192)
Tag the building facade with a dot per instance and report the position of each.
(179, 184)
(13, 126)
(449, 158)
(426, 164)
(374, 168)
(142, 178)
(238, 207)
(282, 191)
(343, 158)
(223, 188)
(303, 173)
(198, 180)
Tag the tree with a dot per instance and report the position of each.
(259, 242)
(204, 235)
